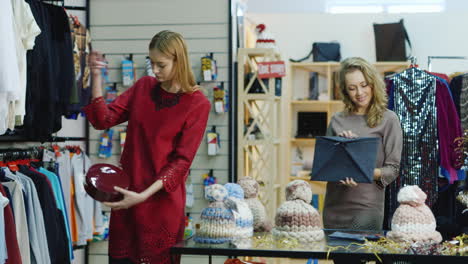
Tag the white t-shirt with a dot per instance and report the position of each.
(9, 73)
(26, 30)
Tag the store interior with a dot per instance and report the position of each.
(261, 125)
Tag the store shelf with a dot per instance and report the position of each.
(276, 186)
(311, 105)
(258, 142)
(303, 141)
(252, 96)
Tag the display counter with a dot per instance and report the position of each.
(329, 248)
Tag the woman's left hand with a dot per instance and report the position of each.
(349, 182)
(130, 199)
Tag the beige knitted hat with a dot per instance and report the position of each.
(413, 221)
(297, 218)
(261, 223)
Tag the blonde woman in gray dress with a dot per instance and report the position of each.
(360, 206)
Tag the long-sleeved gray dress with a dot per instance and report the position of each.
(362, 207)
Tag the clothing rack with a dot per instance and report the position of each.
(430, 58)
(13, 154)
(18, 138)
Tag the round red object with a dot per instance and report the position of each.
(101, 179)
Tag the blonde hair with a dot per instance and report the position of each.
(378, 103)
(173, 45)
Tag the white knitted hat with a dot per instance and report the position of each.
(413, 221)
(242, 213)
(297, 218)
(261, 222)
(217, 221)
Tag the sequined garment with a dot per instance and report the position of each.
(414, 96)
(464, 103)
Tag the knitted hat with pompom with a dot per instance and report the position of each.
(413, 221)
(297, 218)
(217, 221)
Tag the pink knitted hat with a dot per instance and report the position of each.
(297, 218)
(413, 221)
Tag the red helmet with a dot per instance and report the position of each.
(101, 179)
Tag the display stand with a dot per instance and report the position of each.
(258, 131)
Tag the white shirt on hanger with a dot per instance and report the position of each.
(26, 30)
(9, 73)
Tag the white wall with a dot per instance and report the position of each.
(432, 34)
(318, 6)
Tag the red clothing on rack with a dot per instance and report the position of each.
(13, 252)
(163, 135)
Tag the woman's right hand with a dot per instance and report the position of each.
(347, 134)
(96, 63)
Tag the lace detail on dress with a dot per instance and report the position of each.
(172, 174)
(164, 99)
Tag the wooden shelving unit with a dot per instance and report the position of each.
(259, 114)
(297, 94)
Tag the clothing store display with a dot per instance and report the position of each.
(11, 239)
(161, 144)
(217, 224)
(413, 221)
(36, 226)
(459, 90)
(9, 73)
(3, 250)
(50, 73)
(53, 220)
(26, 33)
(362, 207)
(242, 213)
(261, 222)
(296, 218)
(84, 204)
(428, 143)
(21, 224)
(58, 194)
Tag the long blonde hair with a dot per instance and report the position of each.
(173, 45)
(378, 104)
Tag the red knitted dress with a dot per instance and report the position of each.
(163, 135)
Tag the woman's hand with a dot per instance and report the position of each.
(130, 199)
(349, 182)
(96, 63)
(347, 134)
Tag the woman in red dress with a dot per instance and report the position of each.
(167, 118)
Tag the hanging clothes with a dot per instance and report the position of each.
(59, 199)
(430, 125)
(26, 32)
(84, 205)
(36, 226)
(3, 250)
(9, 73)
(414, 101)
(459, 88)
(13, 253)
(21, 224)
(81, 39)
(53, 219)
(50, 72)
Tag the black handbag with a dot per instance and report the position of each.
(390, 41)
(323, 51)
(326, 51)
